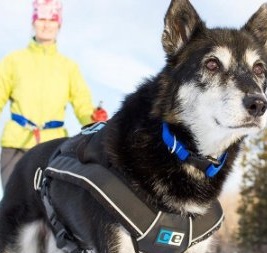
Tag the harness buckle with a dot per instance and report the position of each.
(61, 238)
(37, 182)
(91, 129)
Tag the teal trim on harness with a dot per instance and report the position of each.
(22, 121)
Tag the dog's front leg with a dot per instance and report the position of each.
(117, 240)
(125, 241)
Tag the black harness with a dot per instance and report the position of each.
(153, 231)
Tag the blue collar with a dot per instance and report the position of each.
(210, 168)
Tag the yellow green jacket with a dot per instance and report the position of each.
(40, 82)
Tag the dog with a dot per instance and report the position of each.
(208, 97)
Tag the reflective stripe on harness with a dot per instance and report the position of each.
(24, 122)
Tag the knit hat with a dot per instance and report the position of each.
(47, 9)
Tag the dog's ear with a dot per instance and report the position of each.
(257, 25)
(180, 22)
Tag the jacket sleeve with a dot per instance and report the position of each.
(6, 77)
(80, 97)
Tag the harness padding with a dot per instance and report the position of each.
(152, 230)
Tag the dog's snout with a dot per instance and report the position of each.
(255, 104)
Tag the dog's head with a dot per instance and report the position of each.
(214, 78)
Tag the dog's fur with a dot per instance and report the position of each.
(212, 94)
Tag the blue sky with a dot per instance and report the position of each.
(117, 43)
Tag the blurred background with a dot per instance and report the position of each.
(117, 44)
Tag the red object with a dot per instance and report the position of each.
(36, 133)
(100, 115)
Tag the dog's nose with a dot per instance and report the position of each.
(255, 104)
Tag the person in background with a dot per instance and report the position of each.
(39, 82)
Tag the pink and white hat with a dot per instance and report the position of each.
(47, 9)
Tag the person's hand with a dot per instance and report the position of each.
(100, 114)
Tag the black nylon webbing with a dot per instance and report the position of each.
(107, 188)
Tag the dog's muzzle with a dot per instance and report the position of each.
(255, 104)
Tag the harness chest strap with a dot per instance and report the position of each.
(154, 231)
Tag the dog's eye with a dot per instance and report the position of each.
(258, 69)
(212, 65)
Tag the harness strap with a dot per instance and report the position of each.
(107, 189)
(64, 240)
(24, 122)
